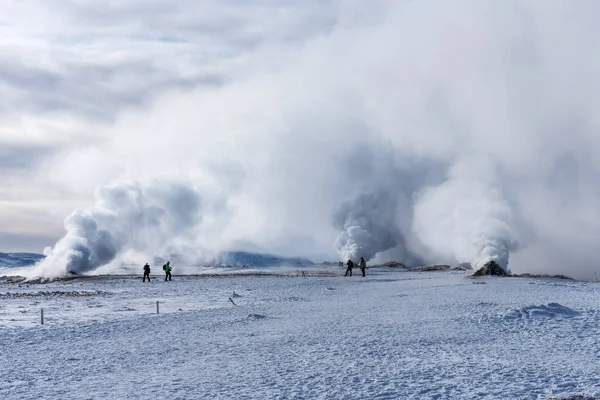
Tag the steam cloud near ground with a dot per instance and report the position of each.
(464, 132)
(128, 220)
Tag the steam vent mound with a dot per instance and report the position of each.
(490, 268)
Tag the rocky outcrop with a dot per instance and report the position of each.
(433, 268)
(394, 264)
(490, 268)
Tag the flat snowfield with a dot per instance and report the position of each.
(391, 335)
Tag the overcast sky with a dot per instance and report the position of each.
(70, 69)
(429, 131)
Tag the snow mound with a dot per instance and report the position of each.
(551, 310)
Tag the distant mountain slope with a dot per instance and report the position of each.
(240, 258)
(233, 258)
(19, 259)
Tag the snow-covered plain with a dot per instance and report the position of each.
(391, 335)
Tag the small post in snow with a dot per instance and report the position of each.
(42, 316)
(157, 307)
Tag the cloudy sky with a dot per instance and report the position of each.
(421, 130)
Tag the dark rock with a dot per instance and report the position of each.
(433, 268)
(527, 275)
(464, 267)
(394, 264)
(490, 268)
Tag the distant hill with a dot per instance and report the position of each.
(241, 258)
(232, 258)
(19, 259)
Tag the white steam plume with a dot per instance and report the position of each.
(367, 225)
(488, 109)
(466, 220)
(140, 220)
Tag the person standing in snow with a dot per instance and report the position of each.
(146, 272)
(167, 268)
(363, 266)
(350, 265)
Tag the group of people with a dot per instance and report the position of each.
(167, 268)
(362, 265)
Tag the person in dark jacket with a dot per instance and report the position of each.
(350, 265)
(167, 268)
(363, 266)
(146, 272)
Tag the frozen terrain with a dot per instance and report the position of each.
(391, 335)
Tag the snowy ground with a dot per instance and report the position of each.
(392, 335)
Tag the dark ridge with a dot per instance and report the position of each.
(55, 293)
(433, 268)
(35, 281)
(392, 264)
(543, 276)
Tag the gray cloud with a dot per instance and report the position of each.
(107, 58)
(19, 157)
(92, 91)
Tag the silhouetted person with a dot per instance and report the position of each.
(167, 268)
(146, 272)
(363, 266)
(350, 265)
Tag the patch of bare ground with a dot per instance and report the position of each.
(542, 276)
(55, 293)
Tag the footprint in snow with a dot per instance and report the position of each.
(257, 316)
